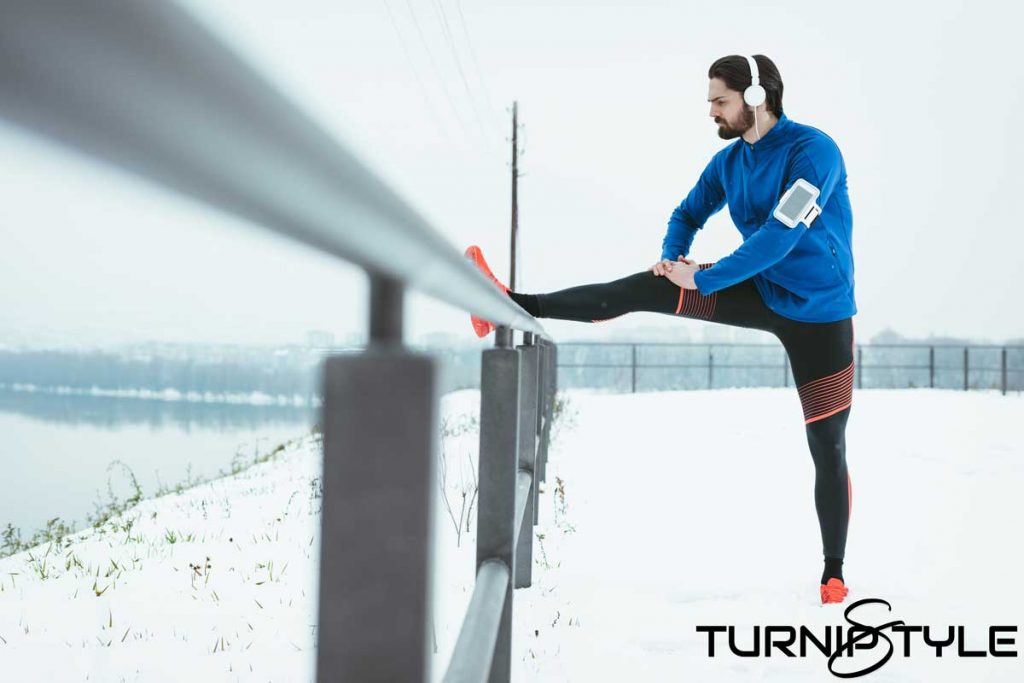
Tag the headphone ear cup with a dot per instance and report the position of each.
(754, 95)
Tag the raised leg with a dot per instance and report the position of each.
(739, 305)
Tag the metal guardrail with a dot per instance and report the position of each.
(967, 371)
(147, 88)
(512, 458)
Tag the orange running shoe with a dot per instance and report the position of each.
(480, 326)
(833, 591)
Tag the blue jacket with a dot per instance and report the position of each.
(802, 273)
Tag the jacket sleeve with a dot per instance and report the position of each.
(706, 198)
(819, 163)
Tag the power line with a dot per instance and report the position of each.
(437, 71)
(476, 64)
(419, 81)
(458, 65)
(515, 196)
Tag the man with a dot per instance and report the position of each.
(803, 274)
(794, 279)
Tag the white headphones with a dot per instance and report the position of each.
(754, 95)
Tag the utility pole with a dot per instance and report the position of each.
(515, 198)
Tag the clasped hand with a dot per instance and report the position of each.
(680, 272)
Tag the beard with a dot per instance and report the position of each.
(744, 121)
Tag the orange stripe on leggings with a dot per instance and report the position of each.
(693, 304)
(697, 305)
(823, 402)
(828, 414)
(824, 397)
(849, 497)
(809, 386)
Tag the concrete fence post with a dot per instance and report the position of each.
(499, 463)
(552, 397)
(634, 368)
(380, 430)
(967, 368)
(529, 356)
(542, 374)
(1003, 368)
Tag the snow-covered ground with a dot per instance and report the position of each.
(661, 512)
(696, 508)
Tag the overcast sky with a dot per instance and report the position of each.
(926, 105)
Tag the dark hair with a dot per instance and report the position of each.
(735, 73)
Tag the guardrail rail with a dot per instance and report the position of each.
(145, 87)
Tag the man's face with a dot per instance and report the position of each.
(730, 112)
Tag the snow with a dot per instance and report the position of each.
(661, 512)
(696, 508)
(125, 604)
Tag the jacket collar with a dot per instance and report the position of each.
(773, 137)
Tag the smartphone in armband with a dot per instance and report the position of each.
(798, 204)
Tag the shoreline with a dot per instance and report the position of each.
(57, 529)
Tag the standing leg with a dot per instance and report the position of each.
(821, 357)
(832, 486)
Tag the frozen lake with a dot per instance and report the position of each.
(55, 450)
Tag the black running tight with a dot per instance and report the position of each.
(820, 355)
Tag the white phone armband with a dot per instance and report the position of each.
(798, 204)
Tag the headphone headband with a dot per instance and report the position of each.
(755, 76)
